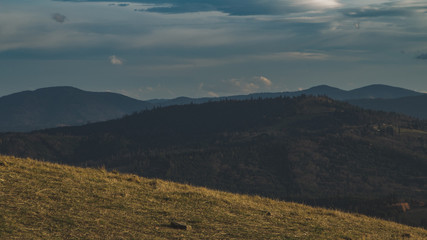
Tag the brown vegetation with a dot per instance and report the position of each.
(41, 200)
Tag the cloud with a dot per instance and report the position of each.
(422, 56)
(356, 25)
(59, 17)
(243, 85)
(237, 86)
(119, 4)
(316, 56)
(387, 9)
(234, 7)
(371, 12)
(115, 60)
(265, 81)
(212, 94)
(247, 7)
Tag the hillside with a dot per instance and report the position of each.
(62, 106)
(41, 200)
(307, 149)
(412, 106)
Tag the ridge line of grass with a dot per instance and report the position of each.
(40, 200)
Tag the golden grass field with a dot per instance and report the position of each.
(40, 200)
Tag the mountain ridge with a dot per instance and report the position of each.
(67, 106)
(62, 106)
(374, 91)
(301, 149)
(380, 91)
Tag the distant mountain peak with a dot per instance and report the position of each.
(380, 91)
(63, 106)
(381, 86)
(323, 86)
(58, 88)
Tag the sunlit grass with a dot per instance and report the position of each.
(41, 200)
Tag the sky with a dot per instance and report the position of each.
(150, 49)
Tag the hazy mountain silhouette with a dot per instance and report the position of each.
(376, 91)
(62, 106)
(331, 92)
(379, 91)
(68, 106)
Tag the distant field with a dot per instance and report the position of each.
(41, 200)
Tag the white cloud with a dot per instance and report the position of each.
(232, 86)
(319, 3)
(267, 82)
(192, 63)
(115, 60)
(243, 85)
(212, 94)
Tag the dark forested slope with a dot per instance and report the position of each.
(415, 106)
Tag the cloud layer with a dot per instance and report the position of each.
(58, 17)
(235, 7)
(422, 56)
(231, 46)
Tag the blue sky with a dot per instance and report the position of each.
(168, 48)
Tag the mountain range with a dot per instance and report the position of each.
(376, 91)
(68, 106)
(309, 149)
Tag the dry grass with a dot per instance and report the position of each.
(49, 201)
(412, 131)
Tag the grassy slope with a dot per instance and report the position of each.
(41, 200)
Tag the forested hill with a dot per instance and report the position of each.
(412, 106)
(310, 149)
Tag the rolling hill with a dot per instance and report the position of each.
(62, 106)
(378, 91)
(68, 106)
(375, 97)
(412, 106)
(40, 200)
(375, 91)
(307, 149)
